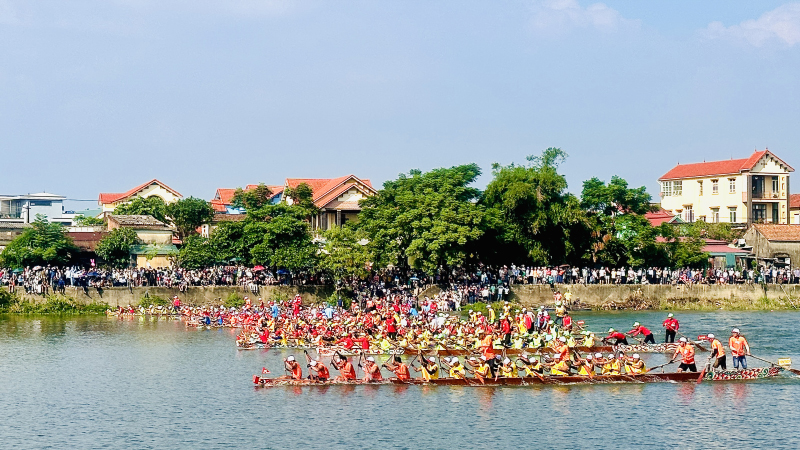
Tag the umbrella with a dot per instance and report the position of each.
(92, 274)
(282, 272)
(258, 268)
(18, 270)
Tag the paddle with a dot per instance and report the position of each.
(794, 371)
(691, 341)
(705, 369)
(659, 366)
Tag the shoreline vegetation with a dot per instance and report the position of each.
(58, 304)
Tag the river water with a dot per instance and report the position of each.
(95, 382)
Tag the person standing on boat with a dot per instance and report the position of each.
(686, 351)
(561, 310)
(644, 331)
(400, 370)
(718, 351)
(739, 349)
(486, 345)
(671, 326)
(618, 338)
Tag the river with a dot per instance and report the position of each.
(96, 382)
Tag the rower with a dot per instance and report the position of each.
(671, 327)
(718, 351)
(486, 345)
(587, 366)
(618, 337)
(686, 351)
(322, 373)
(531, 366)
(644, 331)
(508, 370)
(456, 369)
(635, 365)
(293, 367)
(483, 370)
(400, 370)
(562, 349)
(372, 372)
(346, 370)
(560, 368)
(739, 349)
(611, 366)
(429, 368)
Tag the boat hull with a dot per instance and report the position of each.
(674, 377)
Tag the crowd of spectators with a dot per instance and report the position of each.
(461, 286)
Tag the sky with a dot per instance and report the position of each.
(101, 96)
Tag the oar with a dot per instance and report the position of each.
(691, 341)
(705, 369)
(659, 366)
(794, 371)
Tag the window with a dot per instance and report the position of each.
(677, 188)
(715, 215)
(701, 219)
(700, 187)
(715, 186)
(759, 212)
(732, 214)
(688, 214)
(732, 185)
(666, 188)
(775, 184)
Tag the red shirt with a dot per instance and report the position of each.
(640, 330)
(672, 324)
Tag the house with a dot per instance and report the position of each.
(86, 241)
(656, 218)
(9, 231)
(738, 191)
(794, 209)
(157, 249)
(109, 201)
(336, 198)
(223, 199)
(774, 243)
(721, 255)
(25, 208)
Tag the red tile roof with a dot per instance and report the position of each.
(794, 201)
(86, 240)
(658, 217)
(775, 232)
(727, 167)
(224, 196)
(106, 198)
(326, 189)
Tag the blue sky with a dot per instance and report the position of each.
(104, 95)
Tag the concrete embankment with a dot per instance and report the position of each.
(593, 296)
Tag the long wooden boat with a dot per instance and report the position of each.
(755, 373)
(329, 351)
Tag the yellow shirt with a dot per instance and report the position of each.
(560, 368)
(611, 368)
(426, 375)
(508, 371)
(458, 372)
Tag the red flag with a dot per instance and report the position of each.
(265, 370)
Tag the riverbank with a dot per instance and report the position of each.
(593, 297)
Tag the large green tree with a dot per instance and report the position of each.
(424, 220)
(196, 253)
(252, 199)
(623, 236)
(152, 206)
(188, 214)
(41, 244)
(536, 219)
(115, 247)
(345, 255)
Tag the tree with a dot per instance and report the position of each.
(624, 237)
(303, 196)
(424, 220)
(279, 236)
(41, 244)
(254, 198)
(536, 219)
(683, 251)
(115, 247)
(196, 253)
(83, 221)
(345, 254)
(152, 206)
(188, 214)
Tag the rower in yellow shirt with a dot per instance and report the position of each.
(635, 365)
(612, 366)
(508, 370)
(456, 369)
(587, 366)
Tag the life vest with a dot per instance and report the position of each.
(717, 345)
(687, 353)
(323, 371)
(402, 372)
(426, 372)
(348, 371)
(586, 370)
(560, 368)
(458, 372)
(508, 371)
(737, 345)
(611, 368)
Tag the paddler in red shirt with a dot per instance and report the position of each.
(644, 331)
(671, 326)
(322, 372)
(372, 372)
(346, 370)
(346, 342)
(291, 365)
(400, 370)
(618, 338)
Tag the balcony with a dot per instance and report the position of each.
(767, 194)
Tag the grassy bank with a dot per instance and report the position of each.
(51, 304)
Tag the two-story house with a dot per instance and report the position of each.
(739, 191)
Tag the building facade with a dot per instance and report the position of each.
(794, 209)
(775, 244)
(25, 208)
(737, 191)
(109, 201)
(336, 198)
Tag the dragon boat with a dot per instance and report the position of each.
(755, 373)
(330, 351)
